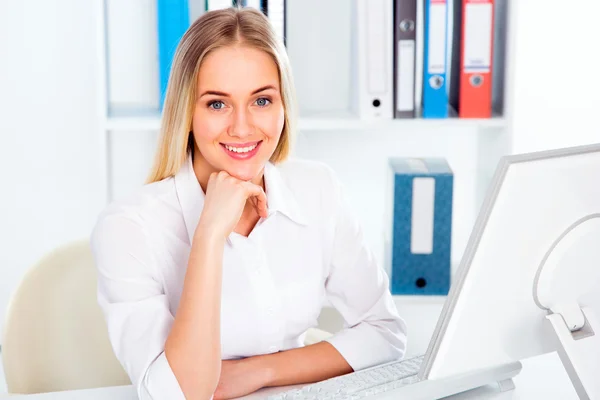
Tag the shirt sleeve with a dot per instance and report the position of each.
(134, 304)
(358, 288)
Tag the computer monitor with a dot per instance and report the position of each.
(541, 208)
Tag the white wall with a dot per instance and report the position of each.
(48, 131)
(556, 100)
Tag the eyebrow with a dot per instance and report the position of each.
(217, 93)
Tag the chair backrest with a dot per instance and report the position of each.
(55, 336)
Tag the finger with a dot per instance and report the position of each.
(222, 175)
(260, 208)
(262, 205)
(259, 196)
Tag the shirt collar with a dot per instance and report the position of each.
(280, 199)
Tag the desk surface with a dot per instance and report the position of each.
(542, 377)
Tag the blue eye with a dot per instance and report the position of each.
(216, 105)
(263, 102)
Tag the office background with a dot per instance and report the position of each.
(54, 175)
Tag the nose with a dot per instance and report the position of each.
(241, 125)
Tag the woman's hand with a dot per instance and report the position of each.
(225, 199)
(239, 378)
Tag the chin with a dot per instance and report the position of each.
(244, 173)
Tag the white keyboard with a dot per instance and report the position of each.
(358, 385)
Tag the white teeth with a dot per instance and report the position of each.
(241, 149)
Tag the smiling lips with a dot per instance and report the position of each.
(241, 151)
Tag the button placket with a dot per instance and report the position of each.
(274, 311)
(262, 281)
(270, 302)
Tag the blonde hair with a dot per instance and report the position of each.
(213, 30)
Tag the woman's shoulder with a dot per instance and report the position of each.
(147, 202)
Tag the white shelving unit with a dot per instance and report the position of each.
(335, 121)
(321, 59)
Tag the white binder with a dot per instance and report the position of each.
(276, 14)
(275, 11)
(254, 4)
(212, 5)
(372, 64)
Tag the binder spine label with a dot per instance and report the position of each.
(478, 31)
(423, 206)
(437, 37)
(406, 75)
(376, 52)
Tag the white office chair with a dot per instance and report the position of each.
(55, 336)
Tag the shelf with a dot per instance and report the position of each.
(347, 121)
(150, 120)
(137, 120)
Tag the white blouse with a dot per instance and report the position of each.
(309, 250)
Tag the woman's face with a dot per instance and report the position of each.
(239, 114)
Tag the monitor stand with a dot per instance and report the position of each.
(579, 352)
(568, 272)
(502, 390)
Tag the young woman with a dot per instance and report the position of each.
(210, 275)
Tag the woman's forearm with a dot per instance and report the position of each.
(193, 347)
(308, 364)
